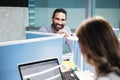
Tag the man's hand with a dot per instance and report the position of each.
(64, 33)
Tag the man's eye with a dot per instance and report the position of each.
(56, 19)
(63, 19)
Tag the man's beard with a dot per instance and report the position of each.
(56, 28)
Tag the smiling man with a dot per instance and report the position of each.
(59, 18)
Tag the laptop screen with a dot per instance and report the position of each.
(41, 70)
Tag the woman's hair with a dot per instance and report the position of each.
(103, 47)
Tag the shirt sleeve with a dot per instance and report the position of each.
(43, 29)
(69, 42)
(68, 29)
(103, 78)
(46, 29)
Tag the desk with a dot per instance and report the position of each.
(82, 75)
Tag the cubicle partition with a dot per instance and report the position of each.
(36, 47)
(78, 58)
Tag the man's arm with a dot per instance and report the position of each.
(65, 31)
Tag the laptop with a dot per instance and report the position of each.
(48, 69)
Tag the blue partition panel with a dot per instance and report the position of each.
(78, 58)
(14, 54)
(31, 35)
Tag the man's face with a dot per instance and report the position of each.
(59, 21)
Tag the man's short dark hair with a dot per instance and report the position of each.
(59, 10)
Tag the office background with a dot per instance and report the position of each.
(15, 15)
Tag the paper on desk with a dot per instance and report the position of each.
(69, 63)
(86, 75)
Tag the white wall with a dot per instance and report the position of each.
(12, 23)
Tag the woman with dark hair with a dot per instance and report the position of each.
(100, 47)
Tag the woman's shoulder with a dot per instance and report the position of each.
(110, 76)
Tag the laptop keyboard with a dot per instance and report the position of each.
(70, 75)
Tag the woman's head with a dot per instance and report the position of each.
(99, 44)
